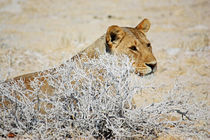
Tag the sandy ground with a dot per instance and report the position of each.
(39, 34)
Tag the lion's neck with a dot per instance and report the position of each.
(94, 50)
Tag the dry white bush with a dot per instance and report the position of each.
(98, 105)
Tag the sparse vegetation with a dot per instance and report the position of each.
(98, 105)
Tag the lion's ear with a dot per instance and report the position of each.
(114, 35)
(144, 25)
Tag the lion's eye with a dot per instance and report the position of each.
(133, 48)
(148, 45)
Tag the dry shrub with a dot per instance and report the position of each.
(94, 100)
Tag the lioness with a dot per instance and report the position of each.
(117, 40)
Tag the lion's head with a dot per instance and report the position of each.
(133, 43)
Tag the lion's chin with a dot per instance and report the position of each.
(144, 74)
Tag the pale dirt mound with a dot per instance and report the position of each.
(39, 34)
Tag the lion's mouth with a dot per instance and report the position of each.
(146, 72)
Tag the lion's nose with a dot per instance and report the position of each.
(153, 66)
